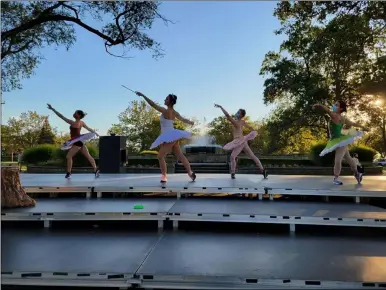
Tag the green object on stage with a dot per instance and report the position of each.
(139, 206)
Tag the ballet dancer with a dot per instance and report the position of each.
(339, 142)
(240, 142)
(75, 127)
(169, 138)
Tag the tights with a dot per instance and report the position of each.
(339, 154)
(247, 151)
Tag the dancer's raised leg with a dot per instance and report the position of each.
(247, 150)
(165, 149)
(180, 156)
(71, 153)
(235, 153)
(90, 159)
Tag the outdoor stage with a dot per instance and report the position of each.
(175, 259)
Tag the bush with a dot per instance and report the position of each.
(326, 160)
(79, 159)
(40, 153)
(366, 154)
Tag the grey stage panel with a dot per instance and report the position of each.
(369, 183)
(278, 208)
(153, 205)
(267, 257)
(74, 252)
(122, 181)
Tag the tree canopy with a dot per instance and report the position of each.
(27, 26)
(332, 51)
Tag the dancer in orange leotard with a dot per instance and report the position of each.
(240, 142)
(75, 127)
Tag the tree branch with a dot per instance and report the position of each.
(9, 51)
(71, 8)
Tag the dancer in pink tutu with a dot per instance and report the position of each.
(240, 142)
(169, 138)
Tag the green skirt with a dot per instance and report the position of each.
(341, 141)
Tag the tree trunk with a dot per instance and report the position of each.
(12, 194)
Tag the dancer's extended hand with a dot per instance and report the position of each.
(217, 106)
(139, 94)
(49, 107)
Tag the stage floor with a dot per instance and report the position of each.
(202, 210)
(194, 258)
(275, 183)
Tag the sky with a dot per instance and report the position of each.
(213, 55)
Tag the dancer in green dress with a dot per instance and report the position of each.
(339, 142)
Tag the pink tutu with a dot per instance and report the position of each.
(240, 141)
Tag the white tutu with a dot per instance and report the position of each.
(169, 134)
(82, 138)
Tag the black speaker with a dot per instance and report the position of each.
(112, 153)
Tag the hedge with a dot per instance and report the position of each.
(53, 155)
(366, 154)
(38, 154)
(79, 160)
(149, 152)
(276, 161)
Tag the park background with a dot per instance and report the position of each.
(274, 59)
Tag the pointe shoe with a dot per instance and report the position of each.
(192, 176)
(164, 179)
(233, 176)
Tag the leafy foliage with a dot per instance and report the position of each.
(332, 52)
(46, 135)
(22, 132)
(28, 26)
(40, 153)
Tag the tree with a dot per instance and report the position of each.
(328, 52)
(46, 135)
(140, 123)
(22, 132)
(27, 26)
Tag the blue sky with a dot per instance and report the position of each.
(213, 54)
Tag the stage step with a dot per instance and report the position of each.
(201, 210)
(192, 260)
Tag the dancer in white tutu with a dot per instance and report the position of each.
(240, 142)
(339, 142)
(73, 145)
(169, 138)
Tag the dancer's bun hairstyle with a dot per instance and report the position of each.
(81, 114)
(243, 112)
(343, 106)
(173, 99)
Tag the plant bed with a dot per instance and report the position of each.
(57, 169)
(309, 170)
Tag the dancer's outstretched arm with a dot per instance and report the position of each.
(323, 108)
(60, 115)
(151, 103)
(230, 119)
(354, 124)
(184, 120)
(89, 129)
